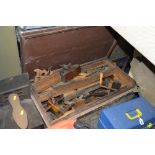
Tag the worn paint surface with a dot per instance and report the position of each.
(54, 47)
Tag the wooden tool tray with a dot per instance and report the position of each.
(99, 83)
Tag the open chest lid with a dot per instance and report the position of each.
(54, 46)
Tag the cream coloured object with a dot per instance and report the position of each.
(19, 114)
(144, 78)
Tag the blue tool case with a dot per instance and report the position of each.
(137, 113)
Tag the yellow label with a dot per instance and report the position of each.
(22, 112)
(14, 97)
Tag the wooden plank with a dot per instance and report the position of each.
(48, 81)
(68, 87)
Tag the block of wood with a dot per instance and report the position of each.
(48, 81)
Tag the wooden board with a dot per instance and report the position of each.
(48, 81)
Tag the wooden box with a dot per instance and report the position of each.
(101, 71)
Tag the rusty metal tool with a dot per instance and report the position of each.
(69, 71)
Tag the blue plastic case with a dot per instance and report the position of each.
(137, 113)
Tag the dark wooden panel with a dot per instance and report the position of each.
(54, 47)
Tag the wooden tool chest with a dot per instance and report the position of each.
(75, 90)
(54, 46)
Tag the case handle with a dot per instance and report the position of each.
(138, 115)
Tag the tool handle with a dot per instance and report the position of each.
(138, 114)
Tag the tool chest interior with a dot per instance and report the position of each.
(98, 82)
(71, 73)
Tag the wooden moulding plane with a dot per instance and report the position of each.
(89, 78)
